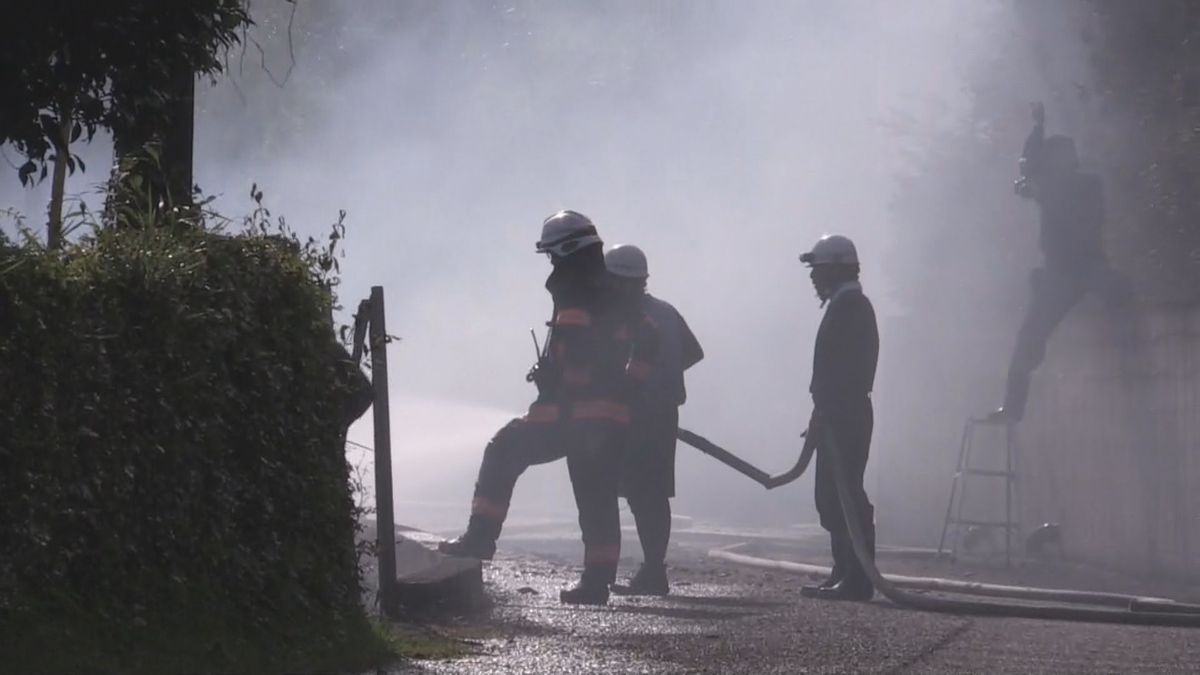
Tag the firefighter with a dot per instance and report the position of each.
(844, 360)
(648, 476)
(1071, 203)
(585, 378)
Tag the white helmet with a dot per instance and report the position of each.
(626, 261)
(566, 232)
(831, 249)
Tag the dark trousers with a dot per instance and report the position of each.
(648, 480)
(1054, 293)
(851, 425)
(593, 457)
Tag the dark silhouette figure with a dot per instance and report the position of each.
(1071, 205)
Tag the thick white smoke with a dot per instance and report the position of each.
(723, 138)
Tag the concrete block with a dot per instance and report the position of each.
(430, 581)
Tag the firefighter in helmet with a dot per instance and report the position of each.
(585, 378)
(844, 361)
(648, 477)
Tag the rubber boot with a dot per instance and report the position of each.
(650, 580)
(592, 588)
(855, 588)
(479, 541)
(585, 593)
(835, 577)
(841, 549)
(848, 580)
(812, 590)
(854, 585)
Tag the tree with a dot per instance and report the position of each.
(71, 68)
(1146, 58)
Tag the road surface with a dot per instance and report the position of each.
(723, 618)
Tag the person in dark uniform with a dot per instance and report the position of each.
(648, 476)
(585, 378)
(1071, 203)
(844, 361)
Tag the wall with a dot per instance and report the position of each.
(1111, 445)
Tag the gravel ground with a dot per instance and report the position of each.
(722, 618)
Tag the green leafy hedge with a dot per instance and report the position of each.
(171, 440)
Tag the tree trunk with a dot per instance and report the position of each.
(177, 137)
(170, 181)
(62, 153)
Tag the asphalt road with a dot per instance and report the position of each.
(722, 618)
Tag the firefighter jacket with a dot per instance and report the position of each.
(599, 353)
(847, 351)
(677, 350)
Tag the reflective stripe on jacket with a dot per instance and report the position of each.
(595, 352)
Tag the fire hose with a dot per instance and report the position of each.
(1125, 609)
(746, 468)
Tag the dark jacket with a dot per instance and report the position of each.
(678, 350)
(1072, 216)
(846, 352)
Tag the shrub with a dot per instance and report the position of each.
(171, 440)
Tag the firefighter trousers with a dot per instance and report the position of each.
(852, 425)
(592, 450)
(648, 480)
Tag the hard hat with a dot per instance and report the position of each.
(831, 249)
(566, 232)
(626, 261)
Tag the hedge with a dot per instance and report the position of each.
(171, 440)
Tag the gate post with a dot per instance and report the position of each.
(384, 514)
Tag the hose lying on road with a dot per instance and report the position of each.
(980, 607)
(1055, 595)
(1125, 609)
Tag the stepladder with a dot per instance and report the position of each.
(985, 485)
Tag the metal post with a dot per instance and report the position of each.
(384, 514)
(968, 446)
(951, 517)
(1008, 495)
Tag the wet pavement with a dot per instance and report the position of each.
(722, 618)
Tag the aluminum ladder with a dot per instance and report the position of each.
(958, 490)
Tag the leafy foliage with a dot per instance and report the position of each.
(93, 65)
(173, 407)
(1146, 58)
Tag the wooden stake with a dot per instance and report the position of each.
(384, 515)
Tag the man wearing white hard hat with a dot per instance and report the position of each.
(844, 360)
(648, 477)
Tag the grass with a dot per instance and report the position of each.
(55, 644)
(412, 641)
